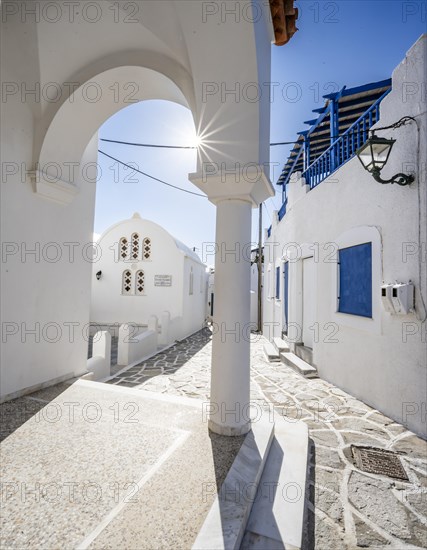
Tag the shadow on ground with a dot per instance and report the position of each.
(16, 412)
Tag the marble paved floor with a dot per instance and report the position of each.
(347, 508)
(106, 467)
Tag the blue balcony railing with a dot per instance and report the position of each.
(280, 214)
(345, 147)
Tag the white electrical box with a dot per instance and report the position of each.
(402, 297)
(386, 297)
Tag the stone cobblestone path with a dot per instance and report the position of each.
(347, 508)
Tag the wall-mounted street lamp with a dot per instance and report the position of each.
(99, 275)
(374, 156)
(375, 152)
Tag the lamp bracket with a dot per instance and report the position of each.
(400, 179)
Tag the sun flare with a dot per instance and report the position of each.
(196, 141)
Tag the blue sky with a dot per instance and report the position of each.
(339, 43)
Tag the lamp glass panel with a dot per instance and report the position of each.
(365, 156)
(380, 153)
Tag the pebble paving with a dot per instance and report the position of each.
(347, 508)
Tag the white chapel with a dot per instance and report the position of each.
(144, 271)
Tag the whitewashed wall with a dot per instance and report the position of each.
(85, 67)
(382, 361)
(210, 291)
(194, 304)
(44, 302)
(109, 306)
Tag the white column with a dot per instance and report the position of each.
(230, 374)
(234, 194)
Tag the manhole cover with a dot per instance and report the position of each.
(378, 461)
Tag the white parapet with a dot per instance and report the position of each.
(153, 323)
(134, 346)
(165, 328)
(100, 362)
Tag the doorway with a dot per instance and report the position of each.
(285, 296)
(308, 301)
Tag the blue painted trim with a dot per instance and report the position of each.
(319, 110)
(306, 153)
(285, 292)
(336, 157)
(334, 131)
(355, 280)
(326, 111)
(289, 173)
(282, 211)
(359, 101)
(339, 152)
(360, 89)
(278, 283)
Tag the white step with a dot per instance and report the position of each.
(224, 526)
(277, 515)
(282, 346)
(299, 365)
(271, 352)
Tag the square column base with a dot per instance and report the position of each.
(229, 430)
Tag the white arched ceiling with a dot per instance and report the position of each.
(81, 115)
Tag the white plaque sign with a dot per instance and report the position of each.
(162, 280)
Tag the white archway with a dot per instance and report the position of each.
(170, 50)
(76, 122)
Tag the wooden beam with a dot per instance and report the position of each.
(284, 16)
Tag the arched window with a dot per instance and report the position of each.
(127, 282)
(191, 281)
(134, 251)
(123, 248)
(146, 248)
(140, 283)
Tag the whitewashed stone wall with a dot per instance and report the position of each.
(382, 361)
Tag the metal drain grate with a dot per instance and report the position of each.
(378, 461)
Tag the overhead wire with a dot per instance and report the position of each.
(150, 176)
(159, 146)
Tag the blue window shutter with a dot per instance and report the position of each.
(355, 280)
(278, 283)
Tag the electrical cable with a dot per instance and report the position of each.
(151, 177)
(148, 144)
(404, 120)
(175, 146)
